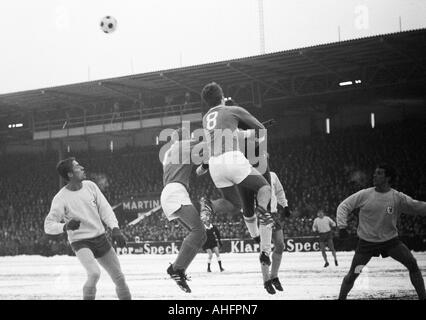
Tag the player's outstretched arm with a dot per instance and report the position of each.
(246, 118)
(347, 206)
(104, 208)
(412, 206)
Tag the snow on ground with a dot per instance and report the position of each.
(302, 275)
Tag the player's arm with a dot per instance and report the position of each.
(104, 208)
(247, 119)
(332, 223)
(53, 223)
(347, 206)
(280, 194)
(314, 226)
(108, 216)
(411, 206)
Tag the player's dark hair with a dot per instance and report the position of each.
(229, 102)
(64, 167)
(212, 94)
(390, 171)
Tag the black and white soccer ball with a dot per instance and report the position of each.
(108, 24)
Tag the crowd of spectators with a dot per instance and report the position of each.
(317, 172)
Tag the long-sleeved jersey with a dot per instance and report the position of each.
(323, 224)
(213, 235)
(87, 205)
(223, 121)
(278, 194)
(379, 212)
(177, 162)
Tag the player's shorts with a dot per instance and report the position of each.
(376, 249)
(210, 245)
(173, 197)
(229, 168)
(98, 245)
(278, 225)
(325, 236)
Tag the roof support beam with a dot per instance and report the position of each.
(121, 93)
(265, 83)
(180, 84)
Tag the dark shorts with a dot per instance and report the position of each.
(376, 249)
(325, 236)
(210, 245)
(98, 245)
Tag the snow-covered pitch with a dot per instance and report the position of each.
(302, 275)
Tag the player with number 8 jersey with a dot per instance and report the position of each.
(229, 167)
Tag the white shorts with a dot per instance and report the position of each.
(173, 197)
(229, 168)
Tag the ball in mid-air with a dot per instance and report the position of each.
(108, 24)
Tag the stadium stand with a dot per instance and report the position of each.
(316, 171)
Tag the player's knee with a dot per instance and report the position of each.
(119, 279)
(93, 276)
(265, 191)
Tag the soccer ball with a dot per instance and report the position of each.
(108, 24)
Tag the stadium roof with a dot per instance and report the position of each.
(382, 60)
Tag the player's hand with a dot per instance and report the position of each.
(343, 233)
(118, 237)
(202, 169)
(72, 225)
(287, 212)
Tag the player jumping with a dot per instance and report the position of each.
(228, 166)
(380, 208)
(177, 205)
(79, 209)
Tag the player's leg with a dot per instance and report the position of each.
(358, 262)
(277, 254)
(209, 259)
(333, 250)
(257, 183)
(111, 264)
(87, 259)
(189, 218)
(324, 254)
(403, 255)
(219, 260)
(248, 204)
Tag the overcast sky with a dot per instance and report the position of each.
(55, 42)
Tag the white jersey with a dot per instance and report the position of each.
(87, 205)
(278, 194)
(323, 225)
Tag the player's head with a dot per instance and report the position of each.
(384, 175)
(212, 94)
(320, 213)
(229, 102)
(71, 170)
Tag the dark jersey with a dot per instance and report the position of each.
(177, 163)
(223, 121)
(213, 238)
